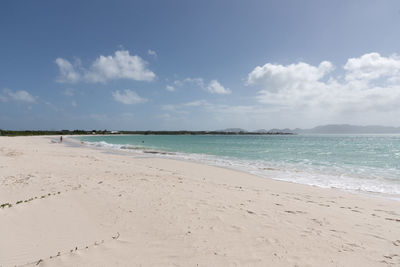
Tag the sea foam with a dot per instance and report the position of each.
(350, 178)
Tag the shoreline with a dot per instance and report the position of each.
(174, 156)
(118, 210)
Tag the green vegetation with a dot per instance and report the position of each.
(62, 132)
(102, 132)
(197, 133)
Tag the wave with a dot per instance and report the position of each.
(355, 180)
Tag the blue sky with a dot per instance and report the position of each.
(198, 65)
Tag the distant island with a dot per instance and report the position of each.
(344, 129)
(324, 129)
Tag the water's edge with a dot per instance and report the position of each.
(281, 173)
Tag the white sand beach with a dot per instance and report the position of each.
(79, 206)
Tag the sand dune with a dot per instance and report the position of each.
(85, 207)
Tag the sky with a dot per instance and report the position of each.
(198, 65)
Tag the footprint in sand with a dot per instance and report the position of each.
(295, 212)
(392, 219)
(387, 212)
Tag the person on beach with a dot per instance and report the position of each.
(60, 139)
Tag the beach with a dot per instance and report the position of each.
(79, 206)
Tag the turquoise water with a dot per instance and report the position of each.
(368, 163)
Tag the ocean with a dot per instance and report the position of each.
(358, 163)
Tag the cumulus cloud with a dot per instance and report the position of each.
(68, 74)
(273, 77)
(128, 97)
(121, 65)
(19, 96)
(366, 90)
(309, 90)
(213, 87)
(373, 66)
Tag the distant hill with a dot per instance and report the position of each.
(345, 129)
(324, 129)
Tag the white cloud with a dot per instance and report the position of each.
(170, 88)
(19, 96)
(73, 103)
(215, 87)
(152, 53)
(22, 96)
(121, 65)
(365, 91)
(373, 66)
(68, 74)
(128, 97)
(273, 77)
(307, 92)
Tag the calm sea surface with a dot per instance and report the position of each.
(368, 163)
